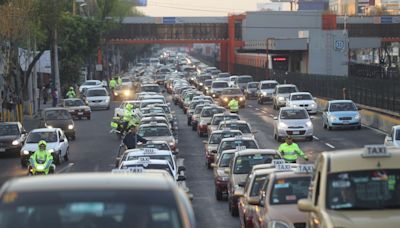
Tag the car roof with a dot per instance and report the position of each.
(55, 109)
(227, 130)
(234, 121)
(150, 84)
(154, 124)
(72, 99)
(301, 93)
(256, 151)
(142, 151)
(226, 114)
(9, 123)
(151, 161)
(341, 101)
(268, 81)
(44, 130)
(289, 174)
(83, 181)
(353, 160)
(292, 108)
(241, 138)
(97, 88)
(286, 85)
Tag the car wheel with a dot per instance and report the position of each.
(188, 122)
(323, 125)
(57, 158)
(359, 127)
(218, 195)
(108, 108)
(66, 156)
(88, 118)
(329, 127)
(310, 138)
(232, 210)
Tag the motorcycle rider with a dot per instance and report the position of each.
(129, 117)
(234, 106)
(42, 155)
(290, 151)
(71, 93)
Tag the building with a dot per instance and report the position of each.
(364, 7)
(313, 5)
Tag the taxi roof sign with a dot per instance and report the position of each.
(149, 150)
(277, 161)
(283, 167)
(305, 168)
(128, 170)
(375, 151)
(239, 148)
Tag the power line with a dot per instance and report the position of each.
(190, 9)
(197, 6)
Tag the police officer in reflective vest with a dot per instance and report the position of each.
(233, 105)
(291, 150)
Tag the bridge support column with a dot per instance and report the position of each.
(223, 56)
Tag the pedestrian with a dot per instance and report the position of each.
(45, 95)
(132, 138)
(54, 95)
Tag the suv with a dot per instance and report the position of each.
(217, 87)
(266, 90)
(281, 93)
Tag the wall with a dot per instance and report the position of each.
(324, 57)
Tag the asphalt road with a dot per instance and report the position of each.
(94, 151)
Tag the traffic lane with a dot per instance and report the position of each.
(94, 149)
(208, 211)
(336, 139)
(263, 124)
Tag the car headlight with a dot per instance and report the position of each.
(309, 124)
(225, 99)
(213, 95)
(171, 143)
(15, 142)
(282, 125)
(294, 106)
(281, 98)
(25, 152)
(70, 127)
(332, 118)
(51, 150)
(264, 93)
(201, 84)
(357, 117)
(127, 92)
(241, 98)
(278, 224)
(313, 105)
(115, 94)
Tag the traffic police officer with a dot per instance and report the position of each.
(291, 150)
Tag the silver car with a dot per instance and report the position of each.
(294, 122)
(97, 98)
(265, 90)
(281, 94)
(158, 132)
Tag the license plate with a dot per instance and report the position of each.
(345, 122)
(2, 149)
(296, 132)
(80, 113)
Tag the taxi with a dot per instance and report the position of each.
(214, 140)
(73, 200)
(158, 132)
(236, 142)
(218, 118)
(220, 177)
(240, 166)
(355, 188)
(206, 115)
(240, 125)
(277, 205)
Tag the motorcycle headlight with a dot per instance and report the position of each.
(309, 124)
(51, 150)
(264, 93)
(281, 98)
(357, 117)
(214, 95)
(25, 152)
(127, 92)
(115, 94)
(225, 99)
(201, 84)
(15, 142)
(70, 127)
(278, 224)
(241, 98)
(40, 167)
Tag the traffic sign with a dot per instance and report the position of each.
(386, 20)
(169, 20)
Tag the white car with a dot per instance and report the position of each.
(304, 100)
(90, 84)
(393, 139)
(127, 82)
(151, 164)
(57, 144)
(158, 132)
(294, 122)
(97, 98)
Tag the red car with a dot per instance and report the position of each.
(77, 108)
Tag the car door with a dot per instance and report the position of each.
(63, 143)
(325, 114)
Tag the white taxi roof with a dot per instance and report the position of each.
(147, 151)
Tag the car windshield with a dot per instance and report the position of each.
(97, 93)
(156, 131)
(243, 127)
(345, 106)
(198, 109)
(165, 109)
(287, 89)
(289, 190)
(152, 156)
(364, 190)
(152, 166)
(205, 78)
(299, 97)
(220, 85)
(147, 103)
(152, 110)
(245, 79)
(158, 146)
(232, 92)
(154, 120)
(224, 75)
(99, 208)
(226, 159)
(210, 112)
(208, 82)
(9, 129)
(268, 85)
(218, 119)
(89, 83)
(154, 88)
(216, 138)
(294, 114)
(57, 115)
(397, 137)
(244, 163)
(35, 137)
(230, 145)
(257, 185)
(252, 85)
(73, 103)
(194, 104)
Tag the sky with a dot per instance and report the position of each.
(160, 8)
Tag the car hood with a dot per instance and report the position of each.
(161, 138)
(59, 123)
(301, 122)
(239, 178)
(233, 95)
(97, 98)
(303, 102)
(267, 90)
(34, 146)
(285, 95)
(218, 89)
(8, 138)
(287, 212)
(211, 147)
(344, 114)
(205, 119)
(366, 219)
(252, 89)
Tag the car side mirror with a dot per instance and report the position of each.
(181, 178)
(254, 132)
(204, 141)
(242, 184)
(358, 108)
(389, 139)
(275, 118)
(24, 132)
(306, 205)
(312, 117)
(181, 168)
(62, 140)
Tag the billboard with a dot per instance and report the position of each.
(137, 2)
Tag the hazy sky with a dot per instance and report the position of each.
(161, 8)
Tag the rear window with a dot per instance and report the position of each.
(245, 79)
(268, 85)
(244, 164)
(294, 114)
(300, 97)
(210, 112)
(216, 138)
(154, 88)
(97, 93)
(289, 190)
(243, 127)
(220, 85)
(287, 89)
(230, 145)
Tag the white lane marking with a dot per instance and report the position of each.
(250, 106)
(376, 130)
(65, 168)
(315, 137)
(257, 109)
(330, 145)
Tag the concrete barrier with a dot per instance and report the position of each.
(369, 118)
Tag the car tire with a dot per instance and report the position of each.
(88, 118)
(329, 127)
(359, 127)
(218, 195)
(66, 156)
(189, 122)
(310, 138)
(194, 127)
(323, 125)
(233, 212)
(57, 158)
